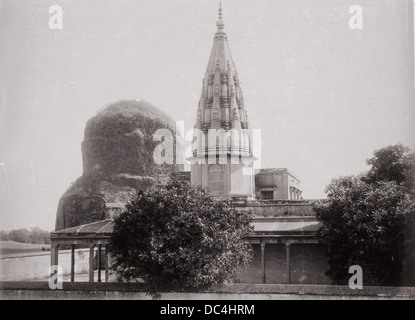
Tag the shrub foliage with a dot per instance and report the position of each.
(178, 236)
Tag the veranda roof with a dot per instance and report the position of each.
(278, 226)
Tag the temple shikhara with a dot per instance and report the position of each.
(223, 150)
(285, 242)
(223, 153)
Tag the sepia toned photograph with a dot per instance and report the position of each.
(215, 150)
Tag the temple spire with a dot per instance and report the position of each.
(221, 90)
(221, 112)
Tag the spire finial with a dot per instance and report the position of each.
(220, 23)
(220, 9)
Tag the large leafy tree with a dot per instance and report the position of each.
(364, 218)
(363, 224)
(396, 163)
(178, 236)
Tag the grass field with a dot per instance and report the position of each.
(11, 247)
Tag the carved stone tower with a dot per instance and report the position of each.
(222, 152)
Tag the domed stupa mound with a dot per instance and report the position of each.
(117, 155)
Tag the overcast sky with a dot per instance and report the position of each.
(324, 96)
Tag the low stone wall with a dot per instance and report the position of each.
(134, 291)
(36, 265)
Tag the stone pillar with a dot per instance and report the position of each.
(54, 254)
(91, 263)
(287, 250)
(106, 263)
(99, 263)
(263, 261)
(72, 263)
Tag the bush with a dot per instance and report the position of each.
(177, 236)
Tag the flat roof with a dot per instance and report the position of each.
(276, 170)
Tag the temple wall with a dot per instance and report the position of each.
(308, 265)
(135, 291)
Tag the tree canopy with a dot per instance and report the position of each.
(177, 235)
(393, 163)
(34, 235)
(363, 218)
(363, 224)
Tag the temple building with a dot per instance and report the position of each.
(286, 246)
(222, 155)
(223, 152)
(284, 239)
(277, 184)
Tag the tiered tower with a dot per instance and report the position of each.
(222, 151)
